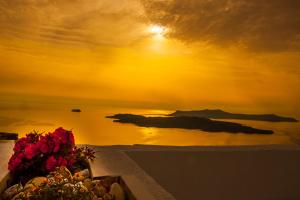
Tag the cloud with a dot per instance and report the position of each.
(72, 22)
(269, 25)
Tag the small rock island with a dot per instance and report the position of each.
(76, 110)
(187, 122)
(220, 114)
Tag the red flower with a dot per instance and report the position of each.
(71, 162)
(25, 141)
(53, 149)
(60, 135)
(56, 142)
(51, 163)
(31, 151)
(43, 146)
(20, 144)
(56, 147)
(61, 161)
(15, 162)
(32, 137)
(71, 139)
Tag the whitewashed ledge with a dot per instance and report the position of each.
(266, 172)
(194, 172)
(6, 150)
(110, 162)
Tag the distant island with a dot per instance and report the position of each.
(187, 122)
(220, 114)
(76, 110)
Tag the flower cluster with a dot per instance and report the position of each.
(43, 152)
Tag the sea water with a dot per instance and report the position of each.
(91, 127)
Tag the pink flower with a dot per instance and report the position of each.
(51, 163)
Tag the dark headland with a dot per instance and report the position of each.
(220, 114)
(187, 122)
(8, 136)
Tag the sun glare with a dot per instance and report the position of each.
(157, 31)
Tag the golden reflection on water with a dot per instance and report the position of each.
(91, 127)
(150, 135)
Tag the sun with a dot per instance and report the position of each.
(157, 31)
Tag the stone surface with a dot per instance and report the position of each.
(117, 192)
(12, 191)
(115, 162)
(214, 172)
(227, 173)
(249, 172)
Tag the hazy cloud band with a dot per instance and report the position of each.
(269, 25)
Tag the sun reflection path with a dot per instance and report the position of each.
(149, 135)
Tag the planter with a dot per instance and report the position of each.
(118, 179)
(51, 167)
(106, 187)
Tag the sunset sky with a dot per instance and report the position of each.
(167, 54)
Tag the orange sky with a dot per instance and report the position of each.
(166, 53)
